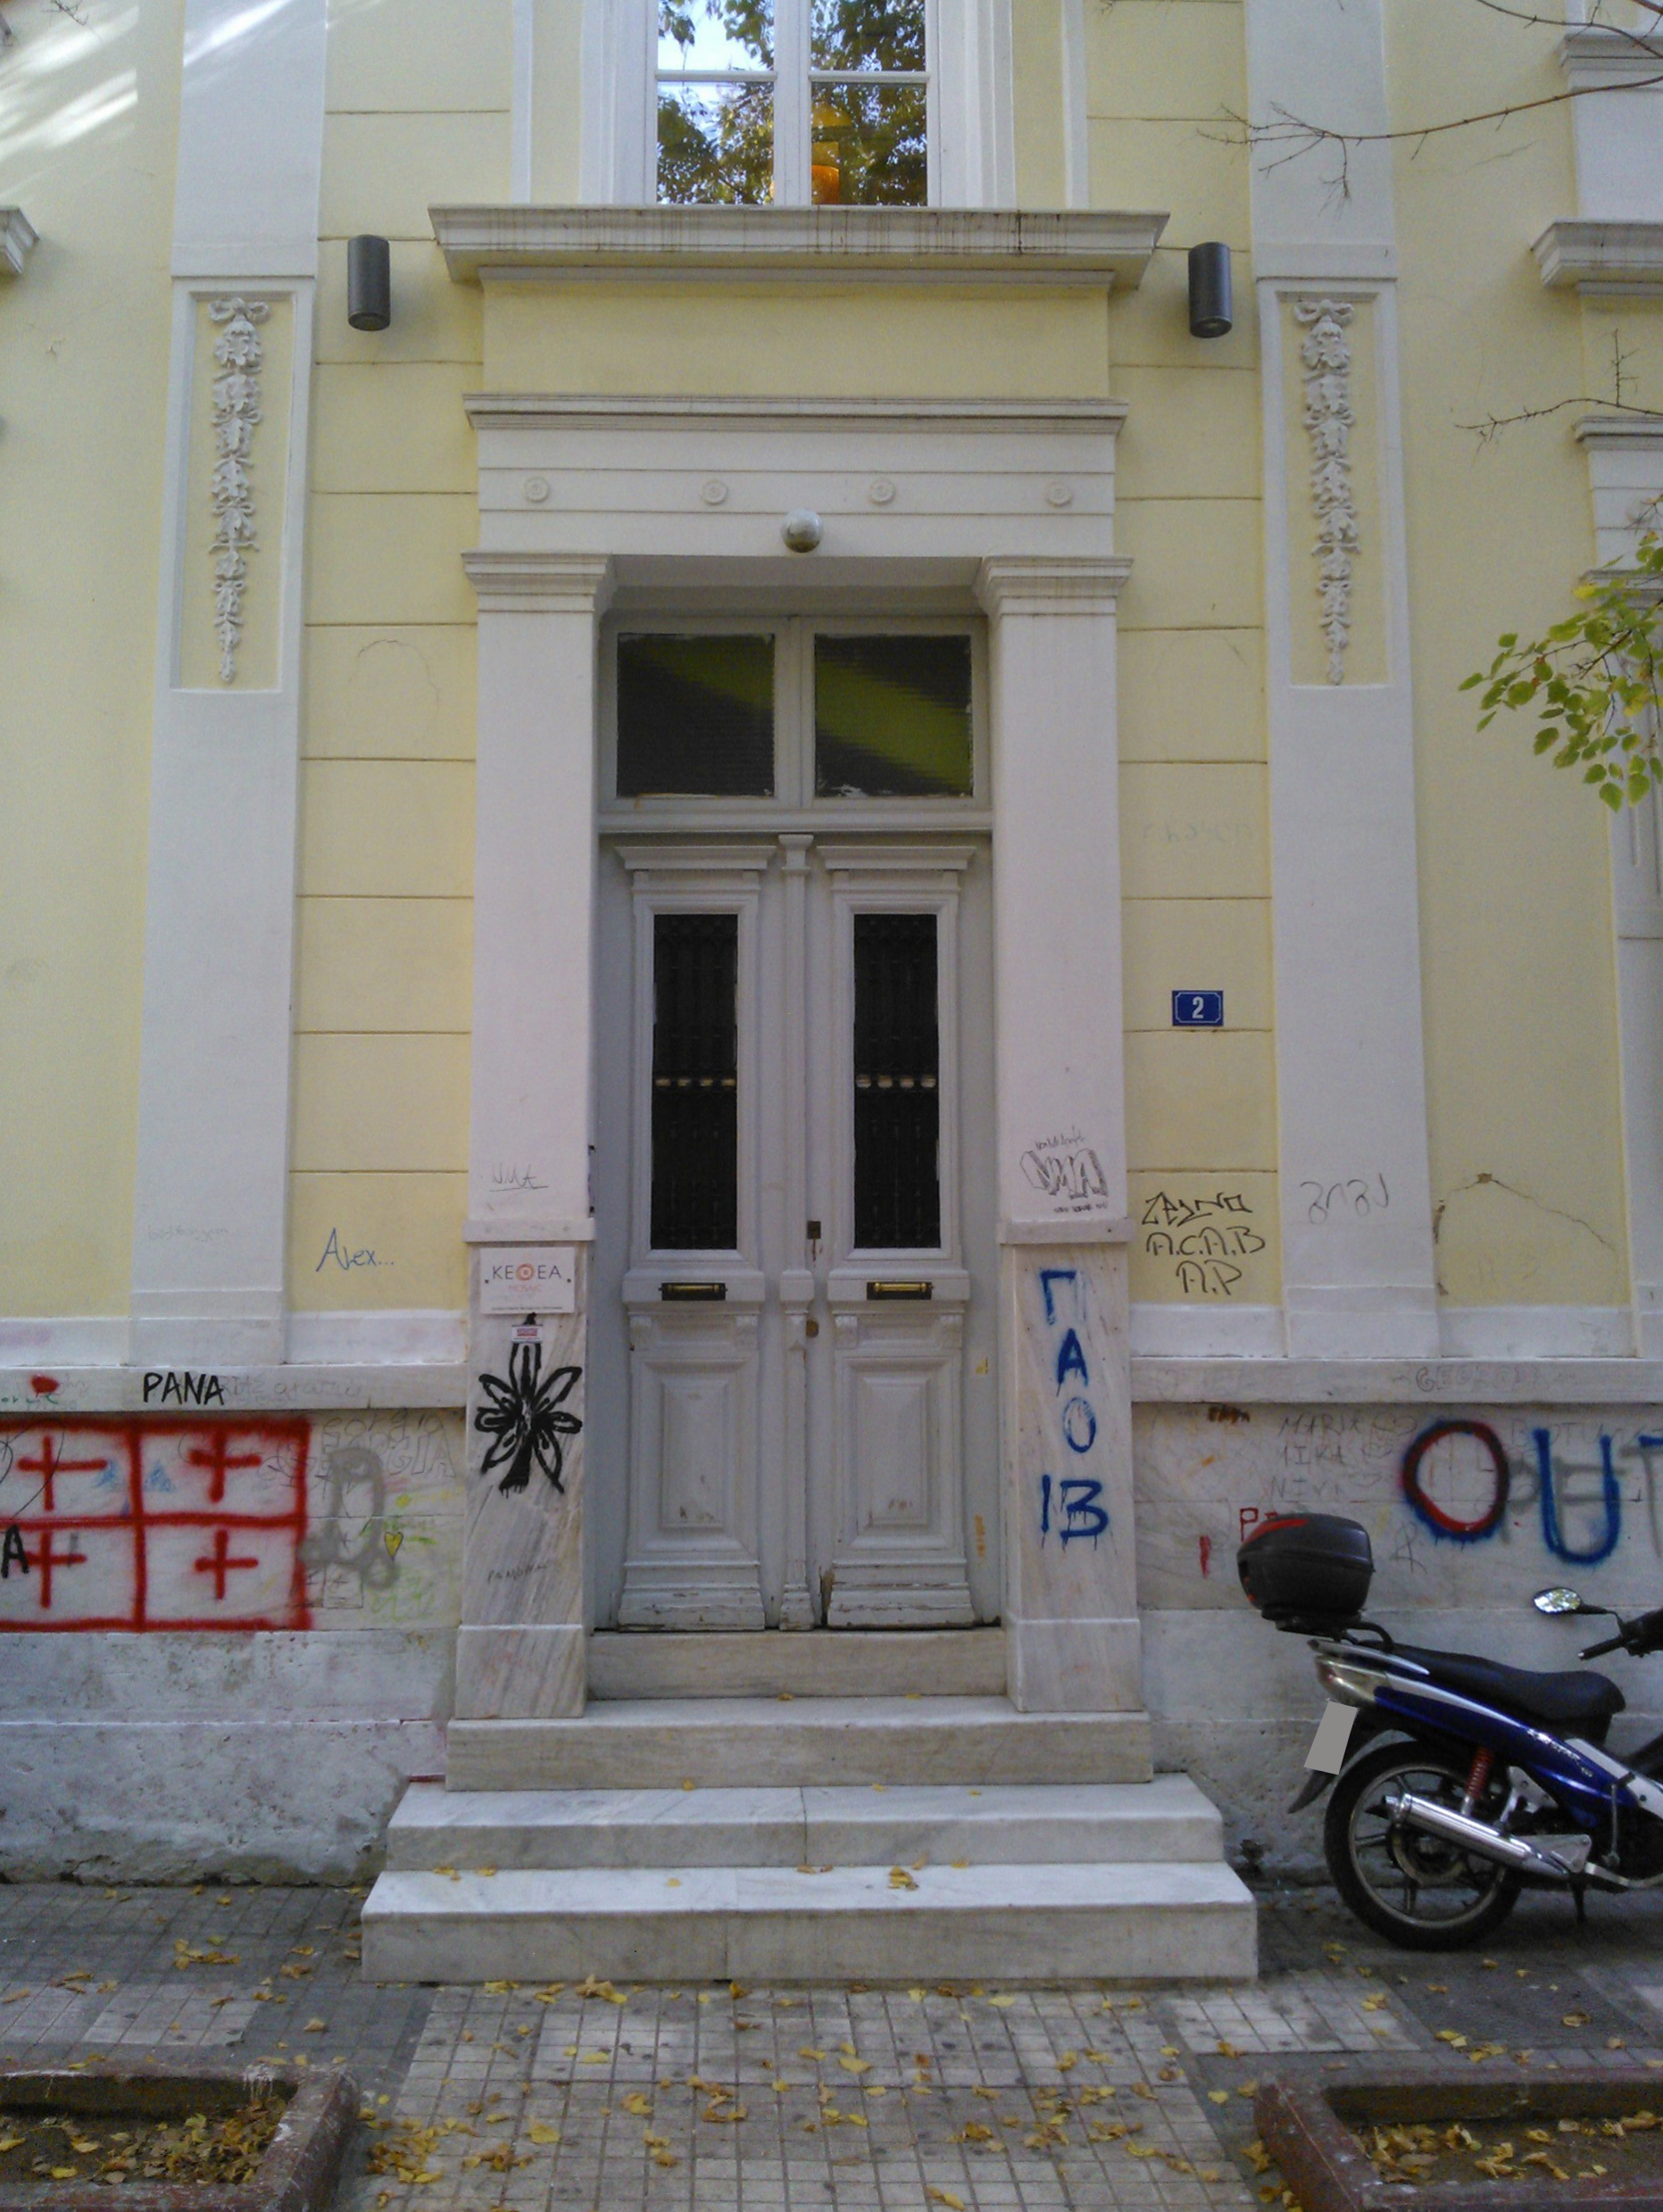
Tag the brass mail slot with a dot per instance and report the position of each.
(693, 1294)
(925, 1291)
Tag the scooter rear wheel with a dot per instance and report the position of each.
(1414, 1889)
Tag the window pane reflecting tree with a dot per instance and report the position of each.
(716, 102)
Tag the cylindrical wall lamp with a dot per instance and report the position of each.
(1212, 309)
(368, 283)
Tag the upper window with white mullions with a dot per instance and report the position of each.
(799, 102)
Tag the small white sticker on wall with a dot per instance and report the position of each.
(529, 1278)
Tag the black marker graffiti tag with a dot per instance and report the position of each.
(526, 1418)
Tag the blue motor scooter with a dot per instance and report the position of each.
(1456, 1780)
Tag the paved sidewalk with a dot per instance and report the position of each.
(726, 2100)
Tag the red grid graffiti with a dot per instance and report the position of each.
(145, 1564)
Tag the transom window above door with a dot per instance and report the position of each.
(791, 714)
(826, 102)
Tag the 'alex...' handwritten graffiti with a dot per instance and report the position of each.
(157, 1522)
(1070, 1504)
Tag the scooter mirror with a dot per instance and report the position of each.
(1558, 1598)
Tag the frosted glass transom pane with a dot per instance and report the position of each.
(892, 718)
(695, 716)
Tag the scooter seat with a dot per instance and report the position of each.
(1584, 1703)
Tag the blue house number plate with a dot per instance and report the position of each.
(1198, 1009)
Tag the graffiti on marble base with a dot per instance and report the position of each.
(1601, 1539)
(164, 1386)
(1070, 1503)
(157, 1522)
(525, 1417)
(352, 1533)
(1079, 1512)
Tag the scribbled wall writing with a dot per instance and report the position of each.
(1205, 1238)
(1481, 1507)
(1068, 1171)
(155, 1524)
(180, 1522)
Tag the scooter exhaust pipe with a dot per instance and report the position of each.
(1485, 1842)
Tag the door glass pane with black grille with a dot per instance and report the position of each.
(897, 1098)
(695, 1122)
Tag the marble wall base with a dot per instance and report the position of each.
(530, 1672)
(519, 1650)
(1071, 1556)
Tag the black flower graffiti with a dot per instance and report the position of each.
(525, 1417)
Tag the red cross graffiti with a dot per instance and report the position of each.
(47, 1559)
(49, 1465)
(218, 1464)
(219, 1565)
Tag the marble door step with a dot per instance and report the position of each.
(990, 1923)
(660, 1743)
(821, 1662)
(1166, 1821)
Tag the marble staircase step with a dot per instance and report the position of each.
(1004, 1923)
(1165, 1821)
(822, 1662)
(659, 1743)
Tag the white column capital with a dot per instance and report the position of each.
(1038, 584)
(540, 583)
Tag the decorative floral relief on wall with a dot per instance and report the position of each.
(1325, 355)
(238, 351)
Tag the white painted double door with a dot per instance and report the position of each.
(793, 1395)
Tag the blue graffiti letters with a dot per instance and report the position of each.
(1079, 1513)
(1611, 1497)
(1071, 1360)
(1444, 1524)
(1079, 1425)
(1047, 1277)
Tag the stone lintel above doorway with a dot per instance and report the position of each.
(684, 495)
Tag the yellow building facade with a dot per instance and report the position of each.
(769, 954)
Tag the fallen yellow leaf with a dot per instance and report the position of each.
(945, 2196)
(540, 2132)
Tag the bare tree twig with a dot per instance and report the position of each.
(1295, 136)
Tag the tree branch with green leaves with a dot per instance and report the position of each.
(1594, 682)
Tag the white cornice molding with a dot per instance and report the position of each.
(400, 1385)
(18, 239)
(534, 410)
(1636, 430)
(1375, 1382)
(913, 245)
(1598, 256)
(1643, 590)
(1596, 55)
(530, 582)
(1021, 584)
